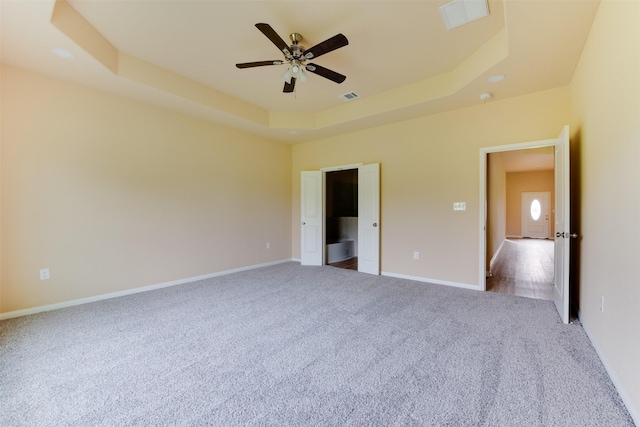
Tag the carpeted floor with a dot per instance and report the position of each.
(304, 346)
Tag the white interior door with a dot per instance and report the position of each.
(535, 214)
(311, 218)
(369, 219)
(562, 199)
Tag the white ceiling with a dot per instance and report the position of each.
(400, 59)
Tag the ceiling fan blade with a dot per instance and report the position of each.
(274, 37)
(259, 64)
(335, 42)
(326, 73)
(288, 87)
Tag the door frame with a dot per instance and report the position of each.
(484, 156)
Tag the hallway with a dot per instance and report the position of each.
(524, 267)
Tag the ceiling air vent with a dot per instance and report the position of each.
(349, 96)
(460, 12)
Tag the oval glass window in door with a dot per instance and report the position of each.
(535, 209)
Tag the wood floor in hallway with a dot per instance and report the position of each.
(523, 267)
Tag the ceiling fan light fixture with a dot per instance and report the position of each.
(287, 75)
(295, 71)
(302, 76)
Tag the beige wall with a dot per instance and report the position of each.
(519, 182)
(1, 186)
(496, 205)
(112, 194)
(426, 165)
(605, 104)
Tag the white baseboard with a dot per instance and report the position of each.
(434, 281)
(633, 411)
(514, 237)
(49, 307)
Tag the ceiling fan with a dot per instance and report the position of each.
(297, 56)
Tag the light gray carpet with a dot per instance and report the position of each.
(304, 346)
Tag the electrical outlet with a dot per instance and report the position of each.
(416, 255)
(602, 303)
(268, 245)
(44, 274)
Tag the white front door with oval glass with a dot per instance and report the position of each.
(535, 214)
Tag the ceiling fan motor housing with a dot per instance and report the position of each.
(297, 51)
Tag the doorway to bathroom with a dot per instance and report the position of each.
(364, 191)
(341, 219)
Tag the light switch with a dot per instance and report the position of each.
(459, 206)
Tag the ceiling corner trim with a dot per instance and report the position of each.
(292, 120)
(392, 100)
(77, 28)
(156, 77)
(80, 31)
(489, 54)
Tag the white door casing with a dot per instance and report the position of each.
(562, 196)
(312, 217)
(369, 219)
(562, 224)
(311, 228)
(535, 214)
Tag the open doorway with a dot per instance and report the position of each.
(561, 215)
(341, 219)
(520, 226)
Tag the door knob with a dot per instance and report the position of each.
(375, 224)
(558, 234)
(572, 235)
(304, 223)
